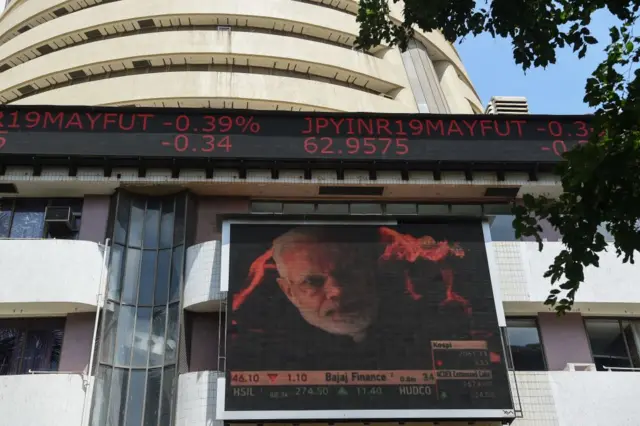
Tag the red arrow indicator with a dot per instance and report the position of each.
(272, 377)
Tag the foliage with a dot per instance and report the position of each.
(600, 179)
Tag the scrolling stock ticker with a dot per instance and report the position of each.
(157, 132)
(368, 317)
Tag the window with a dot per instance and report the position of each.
(614, 343)
(502, 230)
(525, 346)
(30, 344)
(24, 217)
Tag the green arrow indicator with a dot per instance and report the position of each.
(342, 392)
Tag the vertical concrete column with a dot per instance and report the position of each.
(209, 210)
(423, 79)
(450, 83)
(95, 214)
(564, 339)
(76, 344)
(204, 338)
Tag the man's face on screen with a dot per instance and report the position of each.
(331, 284)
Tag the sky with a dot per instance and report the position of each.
(558, 89)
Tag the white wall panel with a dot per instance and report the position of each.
(612, 287)
(42, 399)
(49, 276)
(202, 277)
(197, 399)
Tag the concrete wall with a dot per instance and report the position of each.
(208, 214)
(610, 289)
(564, 339)
(203, 351)
(561, 398)
(76, 346)
(202, 277)
(330, 33)
(197, 399)
(42, 277)
(42, 399)
(95, 214)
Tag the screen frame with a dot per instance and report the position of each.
(431, 414)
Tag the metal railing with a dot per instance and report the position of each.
(621, 368)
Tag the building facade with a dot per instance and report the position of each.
(285, 55)
(118, 316)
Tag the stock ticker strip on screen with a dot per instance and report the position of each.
(160, 133)
(338, 317)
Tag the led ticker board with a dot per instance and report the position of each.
(360, 321)
(225, 134)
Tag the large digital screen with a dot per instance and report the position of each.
(390, 320)
(257, 135)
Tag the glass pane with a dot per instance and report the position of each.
(502, 229)
(524, 342)
(632, 342)
(147, 277)
(100, 396)
(56, 350)
(115, 272)
(167, 395)
(110, 321)
(178, 226)
(156, 353)
(131, 276)
(176, 273)
(136, 223)
(141, 337)
(152, 223)
(137, 385)
(5, 217)
(166, 225)
(162, 277)
(122, 219)
(118, 396)
(607, 344)
(152, 400)
(41, 351)
(124, 338)
(171, 348)
(10, 339)
(28, 219)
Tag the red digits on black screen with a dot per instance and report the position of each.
(181, 143)
(33, 119)
(327, 148)
(555, 129)
(226, 123)
(183, 123)
(416, 127)
(211, 123)
(3, 141)
(354, 146)
(210, 141)
(559, 148)
(583, 129)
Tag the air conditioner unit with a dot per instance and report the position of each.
(507, 105)
(60, 221)
(579, 366)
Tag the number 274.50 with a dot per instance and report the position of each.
(354, 146)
